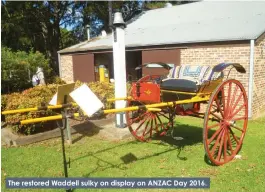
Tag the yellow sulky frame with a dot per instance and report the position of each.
(203, 95)
(200, 97)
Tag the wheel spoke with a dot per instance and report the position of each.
(142, 122)
(164, 116)
(241, 107)
(161, 124)
(156, 126)
(234, 136)
(223, 101)
(215, 134)
(225, 145)
(229, 141)
(137, 118)
(220, 147)
(240, 129)
(228, 98)
(239, 118)
(146, 126)
(219, 107)
(150, 129)
(216, 116)
(233, 98)
(234, 106)
(216, 143)
(212, 126)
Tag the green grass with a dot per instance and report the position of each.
(92, 156)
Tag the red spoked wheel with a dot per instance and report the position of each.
(225, 122)
(144, 124)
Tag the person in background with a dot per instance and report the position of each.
(35, 80)
(40, 76)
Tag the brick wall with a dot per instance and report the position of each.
(259, 77)
(239, 53)
(215, 54)
(212, 55)
(67, 68)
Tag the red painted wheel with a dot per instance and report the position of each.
(144, 124)
(225, 122)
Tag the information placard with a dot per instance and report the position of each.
(194, 182)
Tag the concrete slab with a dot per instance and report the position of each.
(111, 132)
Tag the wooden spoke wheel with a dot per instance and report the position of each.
(225, 122)
(144, 124)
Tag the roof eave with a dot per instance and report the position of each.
(108, 48)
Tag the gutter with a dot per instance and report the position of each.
(251, 75)
(59, 63)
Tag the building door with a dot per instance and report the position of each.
(170, 56)
(83, 67)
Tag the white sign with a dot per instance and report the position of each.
(87, 100)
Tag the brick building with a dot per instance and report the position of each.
(205, 33)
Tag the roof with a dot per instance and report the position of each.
(205, 21)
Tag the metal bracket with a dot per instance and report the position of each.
(121, 124)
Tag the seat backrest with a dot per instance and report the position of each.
(197, 73)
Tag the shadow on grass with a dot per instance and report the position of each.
(183, 135)
(85, 129)
(190, 135)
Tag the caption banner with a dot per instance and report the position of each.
(108, 182)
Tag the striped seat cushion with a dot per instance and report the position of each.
(196, 73)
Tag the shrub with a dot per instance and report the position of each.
(18, 68)
(57, 80)
(32, 97)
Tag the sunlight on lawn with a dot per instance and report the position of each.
(166, 157)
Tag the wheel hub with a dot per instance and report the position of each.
(229, 122)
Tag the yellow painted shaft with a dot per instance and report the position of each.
(134, 108)
(154, 109)
(8, 112)
(150, 107)
(118, 99)
(178, 92)
(42, 119)
(19, 111)
(185, 93)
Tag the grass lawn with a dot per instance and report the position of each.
(96, 157)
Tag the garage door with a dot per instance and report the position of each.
(83, 67)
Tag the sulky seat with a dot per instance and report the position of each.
(179, 85)
(188, 78)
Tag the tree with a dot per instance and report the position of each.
(96, 14)
(67, 38)
(36, 24)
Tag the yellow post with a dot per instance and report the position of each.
(103, 74)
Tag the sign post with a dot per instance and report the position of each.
(119, 67)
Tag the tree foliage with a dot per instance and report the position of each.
(40, 25)
(35, 24)
(18, 68)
